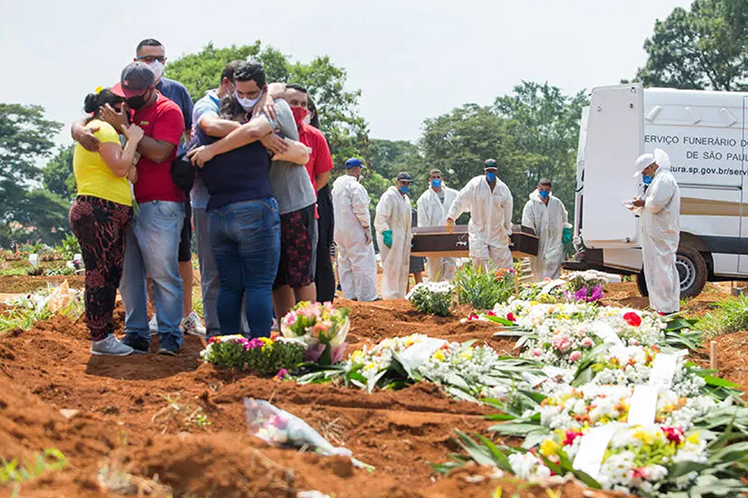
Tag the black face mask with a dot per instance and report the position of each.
(137, 102)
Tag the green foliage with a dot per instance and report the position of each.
(267, 358)
(69, 247)
(345, 130)
(47, 461)
(731, 316)
(58, 176)
(433, 298)
(483, 289)
(705, 47)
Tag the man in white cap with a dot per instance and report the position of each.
(357, 266)
(659, 209)
(433, 206)
(546, 214)
(393, 221)
(490, 204)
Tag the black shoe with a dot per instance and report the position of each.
(168, 347)
(140, 345)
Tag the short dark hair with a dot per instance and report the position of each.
(435, 172)
(94, 101)
(312, 108)
(148, 42)
(296, 86)
(231, 109)
(545, 182)
(229, 70)
(249, 71)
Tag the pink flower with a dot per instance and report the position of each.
(510, 317)
(587, 342)
(674, 434)
(575, 356)
(537, 352)
(632, 319)
(490, 313)
(571, 435)
(633, 342)
(290, 318)
(640, 473)
(562, 343)
(282, 373)
(473, 316)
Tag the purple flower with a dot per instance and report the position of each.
(581, 294)
(597, 294)
(282, 373)
(253, 344)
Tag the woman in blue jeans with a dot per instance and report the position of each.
(244, 230)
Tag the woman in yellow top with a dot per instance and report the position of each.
(100, 214)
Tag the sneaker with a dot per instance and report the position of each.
(192, 325)
(274, 325)
(153, 325)
(168, 347)
(139, 344)
(110, 346)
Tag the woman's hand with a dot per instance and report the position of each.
(274, 143)
(132, 175)
(133, 133)
(114, 118)
(201, 155)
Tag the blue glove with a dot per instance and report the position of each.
(566, 237)
(387, 238)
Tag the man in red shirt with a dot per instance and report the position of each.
(319, 167)
(153, 239)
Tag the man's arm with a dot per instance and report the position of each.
(85, 136)
(297, 153)
(157, 151)
(254, 130)
(508, 205)
(322, 179)
(213, 126)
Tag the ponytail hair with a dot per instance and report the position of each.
(93, 101)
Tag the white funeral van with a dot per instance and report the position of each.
(706, 136)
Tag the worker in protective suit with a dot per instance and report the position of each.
(547, 215)
(433, 206)
(393, 221)
(357, 266)
(490, 204)
(659, 209)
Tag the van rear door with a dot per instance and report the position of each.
(613, 142)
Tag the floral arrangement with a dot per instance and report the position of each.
(584, 287)
(434, 298)
(321, 327)
(482, 289)
(262, 355)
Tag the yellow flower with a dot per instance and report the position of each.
(439, 355)
(693, 438)
(266, 340)
(548, 448)
(370, 366)
(357, 356)
(466, 355)
(644, 436)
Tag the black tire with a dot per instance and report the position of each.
(692, 271)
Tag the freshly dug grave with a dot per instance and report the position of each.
(22, 284)
(181, 422)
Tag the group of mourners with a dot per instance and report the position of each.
(262, 210)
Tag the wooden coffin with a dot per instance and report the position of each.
(436, 241)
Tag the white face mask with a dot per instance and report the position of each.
(247, 103)
(158, 68)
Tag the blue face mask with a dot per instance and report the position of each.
(404, 189)
(436, 182)
(646, 179)
(490, 176)
(544, 193)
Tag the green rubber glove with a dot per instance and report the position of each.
(387, 238)
(566, 237)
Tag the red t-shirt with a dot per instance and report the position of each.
(320, 160)
(161, 120)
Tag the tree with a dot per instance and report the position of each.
(544, 125)
(341, 123)
(705, 47)
(24, 141)
(58, 176)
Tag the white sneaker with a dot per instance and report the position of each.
(192, 325)
(153, 325)
(110, 346)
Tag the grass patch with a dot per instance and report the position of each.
(483, 289)
(15, 473)
(730, 315)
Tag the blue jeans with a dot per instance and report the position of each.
(151, 246)
(245, 237)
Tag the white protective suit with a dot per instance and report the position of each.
(357, 266)
(660, 230)
(433, 213)
(548, 221)
(490, 224)
(394, 213)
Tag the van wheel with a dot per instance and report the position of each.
(692, 271)
(641, 284)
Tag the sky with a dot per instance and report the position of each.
(412, 59)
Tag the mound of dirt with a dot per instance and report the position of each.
(27, 284)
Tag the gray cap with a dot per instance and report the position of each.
(135, 79)
(404, 177)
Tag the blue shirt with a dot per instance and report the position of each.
(177, 93)
(209, 104)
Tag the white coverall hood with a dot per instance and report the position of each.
(660, 235)
(394, 213)
(548, 221)
(357, 266)
(490, 226)
(433, 213)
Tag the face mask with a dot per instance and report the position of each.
(646, 179)
(490, 176)
(544, 194)
(158, 68)
(137, 102)
(247, 103)
(404, 189)
(299, 113)
(436, 182)
(308, 119)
